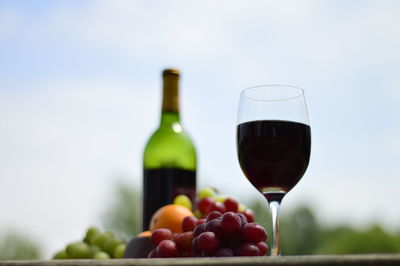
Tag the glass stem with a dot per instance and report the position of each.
(276, 249)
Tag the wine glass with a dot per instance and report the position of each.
(273, 143)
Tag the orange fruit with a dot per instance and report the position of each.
(144, 234)
(170, 217)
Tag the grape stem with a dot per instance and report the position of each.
(276, 249)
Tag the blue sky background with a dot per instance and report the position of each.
(80, 93)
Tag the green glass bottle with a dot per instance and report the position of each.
(169, 159)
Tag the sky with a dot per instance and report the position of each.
(80, 93)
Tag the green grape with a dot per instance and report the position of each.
(101, 255)
(61, 255)
(183, 200)
(99, 240)
(109, 234)
(78, 250)
(109, 245)
(197, 213)
(91, 233)
(119, 251)
(206, 192)
(220, 198)
(94, 250)
(242, 207)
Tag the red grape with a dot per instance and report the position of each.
(206, 205)
(201, 221)
(224, 252)
(263, 247)
(213, 215)
(243, 219)
(253, 232)
(153, 254)
(230, 223)
(209, 242)
(231, 205)
(246, 249)
(184, 241)
(167, 249)
(215, 227)
(188, 223)
(195, 245)
(199, 229)
(249, 215)
(220, 207)
(161, 234)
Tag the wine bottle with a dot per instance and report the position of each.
(169, 159)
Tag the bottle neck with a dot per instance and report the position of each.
(170, 104)
(169, 118)
(170, 94)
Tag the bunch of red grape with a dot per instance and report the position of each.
(208, 204)
(217, 235)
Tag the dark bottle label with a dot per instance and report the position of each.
(162, 185)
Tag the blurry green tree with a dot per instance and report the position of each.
(302, 233)
(17, 246)
(299, 230)
(122, 214)
(346, 240)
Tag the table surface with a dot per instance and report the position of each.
(370, 259)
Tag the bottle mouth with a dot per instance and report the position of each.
(171, 71)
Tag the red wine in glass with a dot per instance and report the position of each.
(273, 154)
(273, 143)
